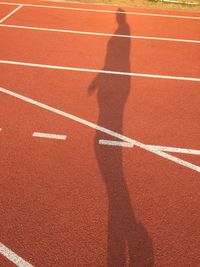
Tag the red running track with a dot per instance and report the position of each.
(78, 203)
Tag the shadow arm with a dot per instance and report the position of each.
(92, 87)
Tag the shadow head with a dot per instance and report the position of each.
(120, 16)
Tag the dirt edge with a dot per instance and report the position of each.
(138, 4)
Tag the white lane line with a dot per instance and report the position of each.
(108, 11)
(101, 34)
(51, 136)
(152, 147)
(101, 129)
(115, 143)
(99, 71)
(10, 255)
(11, 13)
(175, 149)
(180, 2)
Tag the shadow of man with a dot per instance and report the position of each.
(128, 242)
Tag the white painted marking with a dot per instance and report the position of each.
(175, 149)
(11, 13)
(101, 129)
(10, 255)
(155, 148)
(101, 34)
(115, 143)
(51, 136)
(108, 11)
(180, 2)
(99, 71)
(10, 4)
(0, 129)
